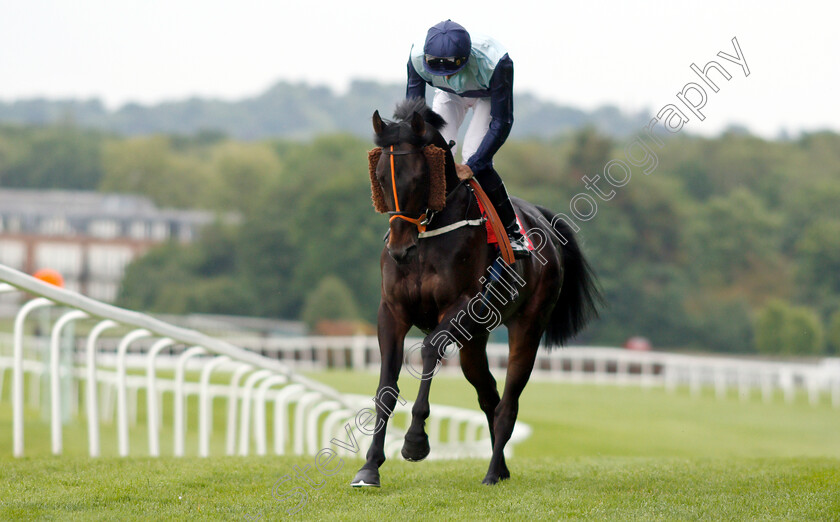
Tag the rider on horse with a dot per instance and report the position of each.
(472, 73)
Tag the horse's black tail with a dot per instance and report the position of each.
(580, 296)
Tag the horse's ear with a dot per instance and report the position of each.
(418, 124)
(378, 126)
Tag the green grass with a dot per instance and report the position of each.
(577, 420)
(542, 488)
(595, 452)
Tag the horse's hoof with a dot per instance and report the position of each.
(490, 480)
(366, 478)
(415, 449)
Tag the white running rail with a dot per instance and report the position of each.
(253, 382)
(819, 379)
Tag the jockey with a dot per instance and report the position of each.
(474, 73)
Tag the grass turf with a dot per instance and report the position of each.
(596, 452)
(542, 488)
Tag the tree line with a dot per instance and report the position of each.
(294, 111)
(731, 245)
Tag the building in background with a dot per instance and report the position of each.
(88, 237)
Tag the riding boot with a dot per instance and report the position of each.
(518, 243)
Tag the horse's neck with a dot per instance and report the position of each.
(460, 204)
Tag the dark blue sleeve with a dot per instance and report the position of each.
(416, 87)
(501, 114)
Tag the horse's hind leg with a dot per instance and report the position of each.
(477, 371)
(524, 343)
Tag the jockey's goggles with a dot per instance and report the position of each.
(445, 63)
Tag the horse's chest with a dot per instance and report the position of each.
(425, 290)
(425, 297)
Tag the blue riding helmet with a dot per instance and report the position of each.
(447, 48)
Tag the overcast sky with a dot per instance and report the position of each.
(635, 55)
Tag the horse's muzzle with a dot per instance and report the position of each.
(403, 255)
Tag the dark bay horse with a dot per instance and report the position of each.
(451, 285)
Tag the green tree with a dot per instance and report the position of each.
(154, 281)
(54, 157)
(199, 278)
(789, 330)
(818, 253)
(316, 219)
(657, 210)
(332, 300)
(240, 173)
(834, 333)
(150, 167)
(590, 152)
(718, 166)
(723, 325)
(216, 295)
(802, 332)
(733, 236)
(769, 327)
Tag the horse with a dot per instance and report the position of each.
(440, 274)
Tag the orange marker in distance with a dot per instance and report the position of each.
(48, 275)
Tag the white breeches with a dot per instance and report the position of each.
(453, 109)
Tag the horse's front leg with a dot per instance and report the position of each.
(416, 446)
(391, 333)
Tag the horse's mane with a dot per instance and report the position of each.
(399, 131)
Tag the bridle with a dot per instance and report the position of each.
(422, 220)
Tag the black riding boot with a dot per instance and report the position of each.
(518, 243)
